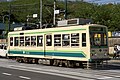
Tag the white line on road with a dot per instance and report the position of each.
(7, 74)
(51, 73)
(117, 76)
(105, 78)
(23, 77)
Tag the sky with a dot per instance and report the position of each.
(92, 1)
(103, 1)
(100, 1)
(5, 0)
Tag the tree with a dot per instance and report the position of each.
(106, 14)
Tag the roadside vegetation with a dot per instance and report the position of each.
(107, 14)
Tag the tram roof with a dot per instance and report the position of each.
(59, 28)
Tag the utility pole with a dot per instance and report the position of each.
(9, 16)
(40, 13)
(54, 12)
(65, 9)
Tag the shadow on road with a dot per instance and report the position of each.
(113, 64)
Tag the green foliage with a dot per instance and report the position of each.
(107, 14)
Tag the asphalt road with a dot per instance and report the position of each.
(13, 74)
(11, 70)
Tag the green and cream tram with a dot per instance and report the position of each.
(66, 45)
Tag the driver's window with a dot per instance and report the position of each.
(97, 39)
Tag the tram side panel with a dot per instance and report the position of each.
(51, 50)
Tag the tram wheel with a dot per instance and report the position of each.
(71, 64)
(51, 62)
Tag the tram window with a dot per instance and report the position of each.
(57, 40)
(83, 39)
(48, 40)
(33, 40)
(65, 40)
(27, 41)
(74, 39)
(11, 41)
(21, 41)
(16, 41)
(39, 40)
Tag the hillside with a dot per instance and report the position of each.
(107, 14)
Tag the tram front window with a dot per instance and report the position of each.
(98, 36)
(98, 39)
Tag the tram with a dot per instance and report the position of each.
(65, 45)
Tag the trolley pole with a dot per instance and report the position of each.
(40, 13)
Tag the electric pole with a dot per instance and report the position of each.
(54, 12)
(9, 16)
(65, 9)
(40, 13)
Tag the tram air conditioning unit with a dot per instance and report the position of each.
(76, 21)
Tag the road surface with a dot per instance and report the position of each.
(12, 70)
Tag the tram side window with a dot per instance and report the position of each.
(48, 40)
(83, 39)
(39, 40)
(11, 41)
(57, 40)
(33, 40)
(27, 41)
(21, 41)
(66, 40)
(16, 41)
(74, 39)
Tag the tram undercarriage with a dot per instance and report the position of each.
(64, 63)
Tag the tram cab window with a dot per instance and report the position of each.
(39, 40)
(66, 40)
(16, 41)
(11, 41)
(21, 41)
(83, 39)
(27, 41)
(74, 39)
(98, 39)
(33, 40)
(98, 36)
(57, 40)
(48, 40)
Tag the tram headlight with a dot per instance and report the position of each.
(95, 54)
(91, 54)
(105, 54)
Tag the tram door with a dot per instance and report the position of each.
(48, 45)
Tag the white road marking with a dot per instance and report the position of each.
(74, 75)
(51, 73)
(23, 77)
(117, 76)
(7, 74)
(105, 78)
